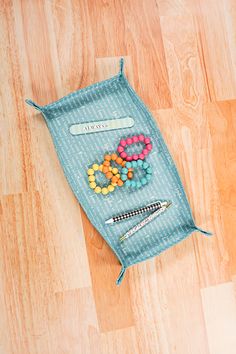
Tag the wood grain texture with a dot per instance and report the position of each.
(220, 317)
(57, 275)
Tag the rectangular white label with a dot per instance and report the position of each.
(102, 125)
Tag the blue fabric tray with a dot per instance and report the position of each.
(111, 99)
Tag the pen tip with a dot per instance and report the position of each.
(109, 221)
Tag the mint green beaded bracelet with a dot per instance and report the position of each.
(134, 165)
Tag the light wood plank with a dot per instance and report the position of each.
(26, 275)
(187, 82)
(70, 22)
(134, 39)
(219, 304)
(154, 287)
(120, 341)
(175, 7)
(221, 118)
(75, 320)
(214, 39)
(17, 174)
(4, 338)
(191, 148)
(215, 31)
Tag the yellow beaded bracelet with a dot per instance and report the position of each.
(92, 179)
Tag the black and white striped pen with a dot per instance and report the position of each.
(156, 205)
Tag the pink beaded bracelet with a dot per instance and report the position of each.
(133, 140)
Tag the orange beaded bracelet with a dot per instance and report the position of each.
(114, 173)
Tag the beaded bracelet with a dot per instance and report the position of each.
(133, 140)
(136, 164)
(128, 164)
(92, 180)
(113, 173)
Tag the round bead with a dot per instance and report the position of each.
(144, 181)
(129, 141)
(149, 170)
(122, 142)
(128, 164)
(119, 160)
(124, 177)
(111, 188)
(130, 175)
(134, 164)
(135, 139)
(105, 190)
(115, 170)
(98, 189)
(147, 140)
(92, 185)
(113, 157)
(135, 157)
(145, 152)
(140, 163)
(120, 148)
(106, 163)
(148, 176)
(90, 171)
(124, 170)
(128, 183)
(123, 154)
(141, 156)
(149, 147)
(120, 183)
(145, 165)
(133, 184)
(109, 175)
(141, 137)
(107, 157)
(114, 179)
(91, 178)
(105, 169)
(129, 158)
(95, 166)
(138, 184)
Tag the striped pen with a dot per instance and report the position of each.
(153, 206)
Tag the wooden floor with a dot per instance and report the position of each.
(57, 276)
